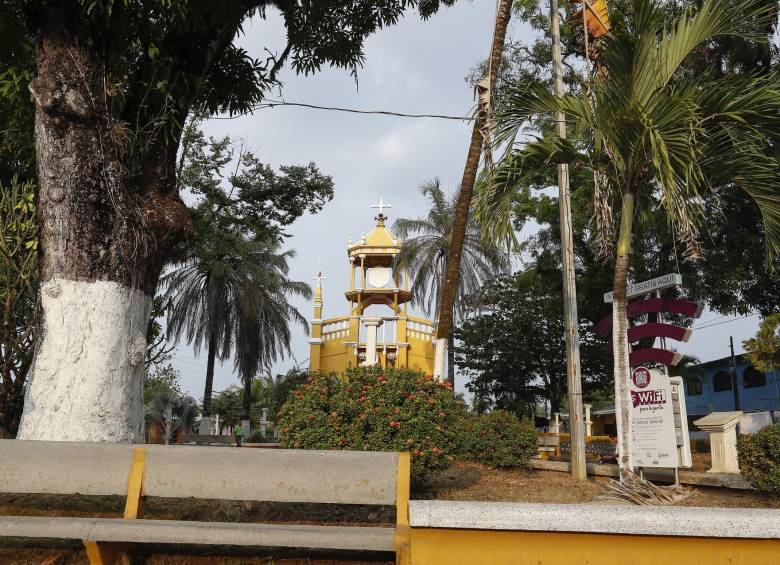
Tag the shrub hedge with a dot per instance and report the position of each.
(375, 409)
(500, 440)
(759, 459)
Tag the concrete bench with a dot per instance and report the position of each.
(272, 475)
(199, 439)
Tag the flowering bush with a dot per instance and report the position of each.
(375, 409)
(759, 459)
(500, 439)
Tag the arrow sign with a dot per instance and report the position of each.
(659, 283)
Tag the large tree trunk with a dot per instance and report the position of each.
(620, 338)
(246, 409)
(99, 248)
(463, 206)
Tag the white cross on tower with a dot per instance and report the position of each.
(319, 278)
(381, 206)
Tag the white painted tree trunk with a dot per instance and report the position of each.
(87, 376)
(622, 374)
(439, 358)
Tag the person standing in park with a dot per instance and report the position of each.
(238, 431)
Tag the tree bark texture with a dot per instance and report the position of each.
(463, 206)
(451, 359)
(620, 351)
(102, 238)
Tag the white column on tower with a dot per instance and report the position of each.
(372, 324)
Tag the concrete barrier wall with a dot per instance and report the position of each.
(533, 534)
(277, 475)
(175, 471)
(55, 467)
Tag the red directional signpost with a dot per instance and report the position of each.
(658, 329)
(674, 429)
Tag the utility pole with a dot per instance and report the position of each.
(734, 383)
(570, 319)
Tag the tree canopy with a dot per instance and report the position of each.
(511, 348)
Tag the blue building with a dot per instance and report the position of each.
(708, 388)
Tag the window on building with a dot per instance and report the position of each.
(693, 385)
(753, 378)
(721, 381)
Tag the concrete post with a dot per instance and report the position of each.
(264, 422)
(555, 426)
(371, 323)
(206, 425)
(168, 418)
(571, 320)
(722, 427)
(588, 422)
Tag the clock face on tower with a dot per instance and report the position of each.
(378, 277)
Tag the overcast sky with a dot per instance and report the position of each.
(414, 67)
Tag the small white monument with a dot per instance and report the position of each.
(555, 426)
(722, 427)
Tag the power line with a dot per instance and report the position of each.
(275, 103)
(709, 325)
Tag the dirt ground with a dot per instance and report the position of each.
(79, 557)
(471, 481)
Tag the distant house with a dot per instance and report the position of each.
(708, 388)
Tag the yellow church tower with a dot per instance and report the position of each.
(386, 335)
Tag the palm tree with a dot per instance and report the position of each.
(168, 407)
(233, 302)
(462, 210)
(655, 133)
(263, 331)
(426, 245)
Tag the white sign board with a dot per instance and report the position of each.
(653, 442)
(681, 422)
(660, 283)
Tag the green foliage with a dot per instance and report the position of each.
(424, 252)
(733, 277)
(375, 410)
(500, 440)
(17, 68)
(763, 350)
(759, 459)
(19, 307)
(228, 405)
(161, 380)
(165, 60)
(282, 389)
(172, 408)
(426, 243)
(511, 348)
(231, 291)
(157, 349)
(250, 200)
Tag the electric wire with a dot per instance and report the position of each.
(274, 103)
